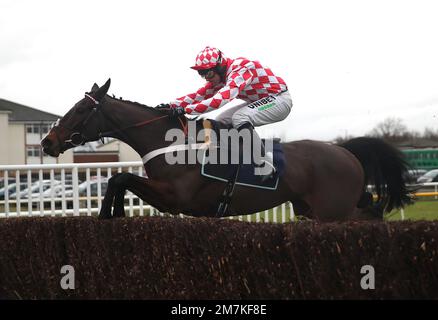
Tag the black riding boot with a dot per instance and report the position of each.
(267, 163)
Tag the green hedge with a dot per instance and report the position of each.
(171, 258)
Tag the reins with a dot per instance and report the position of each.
(137, 125)
(140, 124)
(77, 138)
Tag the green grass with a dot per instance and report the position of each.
(421, 210)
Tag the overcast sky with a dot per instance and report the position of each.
(348, 64)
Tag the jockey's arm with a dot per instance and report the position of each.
(236, 83)
(203, 93)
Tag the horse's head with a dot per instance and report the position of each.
(79, 125)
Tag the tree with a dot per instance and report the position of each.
(430, 134)
(342, 139)
(390, 129)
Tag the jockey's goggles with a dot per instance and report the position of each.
(207, 74)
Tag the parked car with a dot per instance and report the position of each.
(412, 176)
(93, 188)
(430, 176)
(35, 188)
(2, 182)
(12, 188)
(82, 190)
(47, 192)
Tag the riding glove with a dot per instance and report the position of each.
(178, 111)
(163, 106)
(172, 112)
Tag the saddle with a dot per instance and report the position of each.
(247, 174)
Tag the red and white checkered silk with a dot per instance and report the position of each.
(245, 79)
(207, 58)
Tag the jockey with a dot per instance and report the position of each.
(265, 95)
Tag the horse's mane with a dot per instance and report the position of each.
(216, 125)
(138, 104)
(158, 112)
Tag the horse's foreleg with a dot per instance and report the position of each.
(107, 203)
(119, 203)
(115, 194)
(158, 194)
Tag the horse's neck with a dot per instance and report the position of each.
(144, 138)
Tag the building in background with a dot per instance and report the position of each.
(112, 151)
(422, 158)
(21, 130)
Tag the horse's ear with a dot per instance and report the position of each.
(101, 92)
(94, 88)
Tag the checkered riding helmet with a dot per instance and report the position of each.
(208, 58)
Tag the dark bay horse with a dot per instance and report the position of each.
(323, 181)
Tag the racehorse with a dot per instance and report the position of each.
(323, 181)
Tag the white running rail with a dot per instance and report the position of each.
(75, 199)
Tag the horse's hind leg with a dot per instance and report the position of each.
(370, 212)
(328, 206)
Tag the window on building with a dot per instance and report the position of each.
(33, 128)
(45, 128)
(33, 151)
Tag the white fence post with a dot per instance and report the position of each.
(140, 201)
(88, 178)
(6, 177)
(52, 192)
(75, 179)
(130, 198)
(41, 196)
(291, 212)
(283, 212)
(99, 189)
(63, 204)
(29, 198)
(17, 190)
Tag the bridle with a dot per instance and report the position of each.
(77, 138)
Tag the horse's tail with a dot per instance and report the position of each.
(385, 168)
